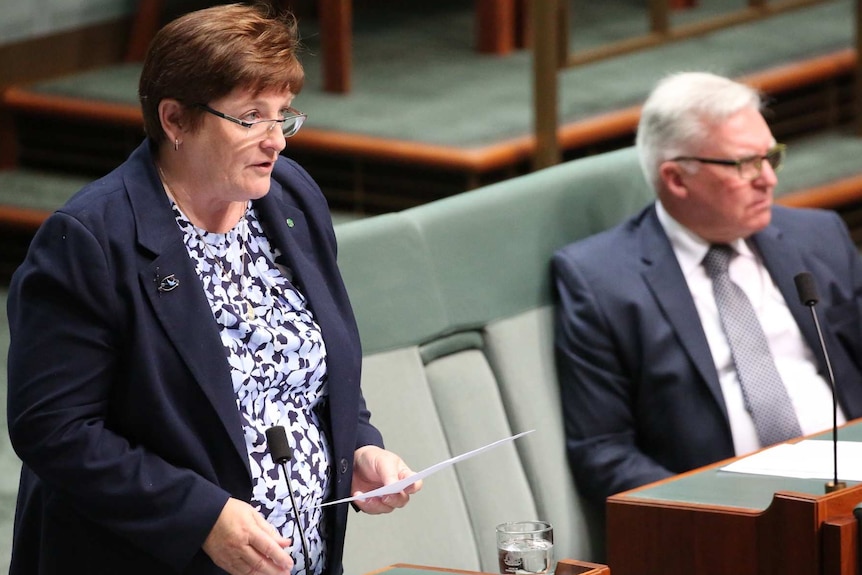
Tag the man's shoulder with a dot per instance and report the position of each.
(804, 223)
(618, 241)
(800, 216)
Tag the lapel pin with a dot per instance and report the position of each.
(168, 283)
(289, 222)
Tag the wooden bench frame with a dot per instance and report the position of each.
(499, 26)
(474, 161)
(551, 53)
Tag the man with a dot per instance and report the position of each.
(651, 357)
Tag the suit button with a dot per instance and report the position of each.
(344, 465)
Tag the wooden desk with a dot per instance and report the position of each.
(713, 522)
(564, 567)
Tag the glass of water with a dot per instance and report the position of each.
(525, 547)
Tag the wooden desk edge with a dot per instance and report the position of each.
(632, 496)
(564, 567)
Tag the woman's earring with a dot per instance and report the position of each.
(177, 145)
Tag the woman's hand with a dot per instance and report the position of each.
(243, 543)
(374, 467)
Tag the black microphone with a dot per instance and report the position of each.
(807, 290)
(281, 453)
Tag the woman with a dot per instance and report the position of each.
(174, 311)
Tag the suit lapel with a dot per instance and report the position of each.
(179, 310)
(174, 290)
(328, 304)
(286, 227)
(783, 263)
(293, 240)
(665, 279)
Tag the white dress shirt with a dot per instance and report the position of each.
(809, 392)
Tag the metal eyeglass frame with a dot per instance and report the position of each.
(288, 130)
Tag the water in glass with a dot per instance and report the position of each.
(526, 556)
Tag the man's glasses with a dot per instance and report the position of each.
(291, 122)
(749, 168)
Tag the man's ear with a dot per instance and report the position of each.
(672, 174)
(172, 118)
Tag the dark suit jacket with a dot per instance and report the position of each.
(640, 392)
(120, 398)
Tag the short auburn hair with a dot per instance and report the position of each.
(206, 54)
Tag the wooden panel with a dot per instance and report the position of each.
(144, 26)
(840, 546)
(336, 36)
(680, 540)
(793, 536)
(499, 29)
(495, 24)
(63, 53)
(8, 140)
(789, 518)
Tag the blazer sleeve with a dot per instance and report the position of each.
(66, 354)
(598, 392)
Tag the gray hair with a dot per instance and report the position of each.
(679, 112)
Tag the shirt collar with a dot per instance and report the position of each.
(690, 249)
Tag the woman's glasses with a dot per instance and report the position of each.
(291, 122)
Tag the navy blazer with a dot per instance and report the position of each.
(120, 398)
(640, 392)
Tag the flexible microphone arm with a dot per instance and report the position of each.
(807, 290)
(279, 450)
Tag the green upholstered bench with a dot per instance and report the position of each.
(10, 465)
(455, 308)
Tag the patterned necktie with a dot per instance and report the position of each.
(765, 396)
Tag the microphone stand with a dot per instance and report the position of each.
(833, 485)
(808, 296)
(280, 451)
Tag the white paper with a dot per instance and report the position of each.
(808, 459)
(407, 481)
